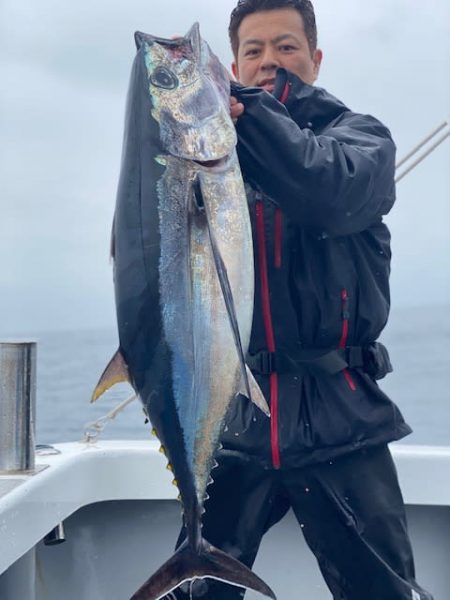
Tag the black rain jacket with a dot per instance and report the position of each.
(319, 180)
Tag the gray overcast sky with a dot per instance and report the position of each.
(64, 70)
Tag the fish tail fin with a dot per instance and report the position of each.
(187, 564)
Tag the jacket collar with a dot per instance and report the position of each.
(308, 105)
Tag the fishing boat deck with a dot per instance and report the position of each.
(121, 519)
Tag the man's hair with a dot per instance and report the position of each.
(247, 7)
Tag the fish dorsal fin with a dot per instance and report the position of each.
(115, 372)
(139, 38)
(257, 397)
(193, 35)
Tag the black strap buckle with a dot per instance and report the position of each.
(354, 356)
(263, 362)
(267, 363)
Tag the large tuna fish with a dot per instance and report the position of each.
(183, 271)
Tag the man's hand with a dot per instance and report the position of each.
(236, 109)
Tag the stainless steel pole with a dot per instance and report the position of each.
(17, 406)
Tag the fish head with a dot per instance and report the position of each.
(190, 95)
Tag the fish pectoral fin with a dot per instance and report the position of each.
(188, 564)
(257, 397)
(227, 295)
(115, 372)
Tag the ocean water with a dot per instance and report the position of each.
(70, 363)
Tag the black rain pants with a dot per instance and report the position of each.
(350, 511)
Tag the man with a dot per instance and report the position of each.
(319, 180)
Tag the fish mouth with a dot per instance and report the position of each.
(212, 164)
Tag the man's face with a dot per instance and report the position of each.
(271, 39)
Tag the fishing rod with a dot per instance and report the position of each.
(431, 137)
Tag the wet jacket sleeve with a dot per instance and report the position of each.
(325, 167)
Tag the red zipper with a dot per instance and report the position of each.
(344, 336)
(274, 436)
(268, 327)
(278, 237)
(285, 94)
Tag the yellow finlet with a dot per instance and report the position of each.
(115, 372)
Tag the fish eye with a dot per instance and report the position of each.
(164, 78)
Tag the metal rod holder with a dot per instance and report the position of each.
(56, 536)
(17, 406)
